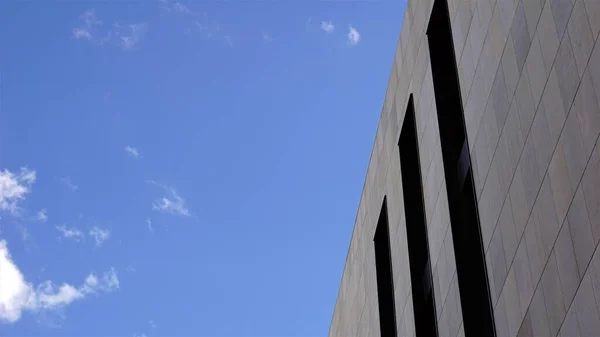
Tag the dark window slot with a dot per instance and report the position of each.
(471, 270)
(416, 228)
(385, 278)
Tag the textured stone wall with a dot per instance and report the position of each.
(530, 82)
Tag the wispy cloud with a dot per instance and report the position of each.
(18, 295)
(164, 5)
(126, 36)
(81, 33)
(266, 37)
(229, 40)
(89, 18)
(149, 224)
(327, 26)
(42, 216)
(179, 8)
(67, 181)
(132, 151)
(174, 6)
(207, 27)
(71, 233)
(14, 187)
(100, 235)
(133, 35)
(173, 203)
(196, 22)
(25, 233)
(152, 324)
(353, 36)
(88, 23)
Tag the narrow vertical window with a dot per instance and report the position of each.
(416, 228)
(385, 277)
(464, 218)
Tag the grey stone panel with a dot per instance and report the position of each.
(567, 73)
(567, 265)
(592, 8)
(561, 10)
(588, 113)
(587, 310)
(553, 295)
(591, 192)
(498, 261)
(522, 269)
(532, 9)
(548, 35)
(520, 35)
(538, 315)
(580, 35)
(581, 232)
(570, 327)
(501, 318)
(525, 329)
(562, 192)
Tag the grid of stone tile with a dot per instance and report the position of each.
(529, 74)
(356, 313)
(356, 307)
(535, 156)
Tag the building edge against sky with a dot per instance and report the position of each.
(480, 212)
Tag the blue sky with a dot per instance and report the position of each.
(184, 168)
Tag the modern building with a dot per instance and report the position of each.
(480, 213)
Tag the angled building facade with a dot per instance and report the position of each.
(480, 212)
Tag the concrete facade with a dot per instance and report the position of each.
(529, 74)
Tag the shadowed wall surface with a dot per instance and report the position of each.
(528, 85)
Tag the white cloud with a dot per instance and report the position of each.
(50, 296)
(67, 181)
(132, 151)
(173, 203)
(42, 216)
(100, 235)
(81, 33)
(91, 281)
(14, 187)
(135, 33)
(327, 26)
(152, 324)
(17, 295)
(89, 21)
(70, 233)
(110, 281)
(353, 36)
(149, 224)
